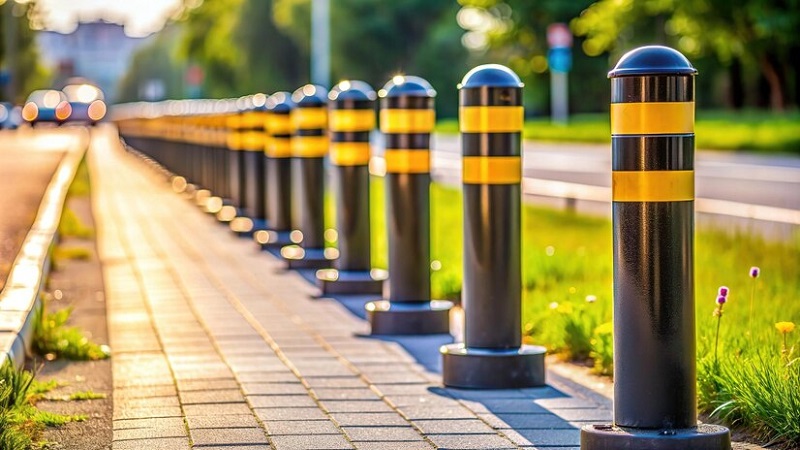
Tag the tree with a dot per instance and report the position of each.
(156, 62)
(28, 73)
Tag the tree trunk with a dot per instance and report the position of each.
(736, 84)
(771, 68)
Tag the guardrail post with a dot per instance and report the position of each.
(309, 147)
(492, 355)
(352, 118)
(407, 120)
(252, 215)
(652, 129)
(278, 151)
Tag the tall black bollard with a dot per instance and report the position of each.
(235, 167)
(492, 355)
(252, 215)
(652, 129)
(309, 147)
(407, 119)
(278, 151)
(352, 118)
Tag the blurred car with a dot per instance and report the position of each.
(86, 101)
(46, 105)
(10, 116)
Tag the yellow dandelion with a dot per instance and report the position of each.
(785, 327)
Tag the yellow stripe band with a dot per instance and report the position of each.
(279, 148)
(352, 120)
(652, 186)
(491, 119)
(407, 161)
(234, 141)
(492, 169)
(652, 118)
(233, 121)
(350, 153)
(309, 146)
(279, 124)
(309, 118)
(252, 119)
(407, 120)
(252, 140)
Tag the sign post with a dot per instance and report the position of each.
(559, 58)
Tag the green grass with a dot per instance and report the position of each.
(716, 130)
(63, 253)
(72, 226)
(81, 185)
(567, 259)
(53, 339)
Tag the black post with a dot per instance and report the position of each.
(352, 118)
(492, 355)
(652, 129)
(252, 215)
(309, 147)
(407, 120)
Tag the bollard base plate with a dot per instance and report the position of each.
(246, 227)
(409, 318)
(486, 368)
(297, 257)
(272, 239)
(351, 282)
(608, 437)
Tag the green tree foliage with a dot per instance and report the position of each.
(156, 61)
(28, 72)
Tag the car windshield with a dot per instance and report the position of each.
(83, 93)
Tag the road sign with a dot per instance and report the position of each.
(558, 35)
(559, 59)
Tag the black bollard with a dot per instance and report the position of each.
(492, 355)
(652, 129)
(252, 215)
(278, 151)
(407, 120)
(309, 147)
(351, 119)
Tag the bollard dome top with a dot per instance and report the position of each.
(407, 86)
(352, 90)
(490, 75)
(280, 102)
(310, 95)
(652, 60)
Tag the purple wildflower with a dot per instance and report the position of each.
(723, 291)
(754, 272)
(721, 300)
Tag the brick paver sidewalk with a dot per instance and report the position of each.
(216, 347)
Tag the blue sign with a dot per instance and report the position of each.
(560, 59)
(5, 77)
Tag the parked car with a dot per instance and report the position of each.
(46, 105)
(10, 116)
(86, 101)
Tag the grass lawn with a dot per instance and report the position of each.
(720, 130)
(567, 302)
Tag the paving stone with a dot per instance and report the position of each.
(553, 437)
(302, 427)
(526, 421)
(453, 426)
(390, 390)
(274, 389)
(336, 382)
(124, 393)
(226, 421)
(268, 414)
(210, 409)
(228, 436)
(425, 412)
(380, 419)
(281, 401)
(318, 442)
(234, 447)
(382, 433)
(471, 441)
(147, 412)
(215, 396)
(585, 415)
(207, 385)
(355, 406)
(428, 400)
(346, 394)
(147, 433)
(267, 377)
(153, 444)
(159, 423)
(405, 445)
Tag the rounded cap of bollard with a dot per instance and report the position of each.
(652, 60)
(490, 75)
(310, 95)
(407, 86)
(280, 102)
(354, 90)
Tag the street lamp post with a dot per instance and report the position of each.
(320, 43)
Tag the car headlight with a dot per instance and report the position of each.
(63, 111)
(30, 112)
(97, 110)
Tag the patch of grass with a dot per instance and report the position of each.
(81, 185)
(63, 253)
(77, 396)
(719, 130)
(72, 226)
(53, 339)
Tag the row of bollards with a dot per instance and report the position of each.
(264, 160)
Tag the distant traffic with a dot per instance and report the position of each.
(78, 101)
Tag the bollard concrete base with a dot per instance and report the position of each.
(297, 257)
(246, 227)
(609, 437)
(409, 318)
(351, 282)
(486, 368)
(271, 239)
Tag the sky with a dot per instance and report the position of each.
(140, 17)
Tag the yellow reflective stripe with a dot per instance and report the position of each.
(491, 119)
(652, 118)
(352, 119)
(252, 140)
(279, 124)
(492, 169)
(309, 118)
(309, 146)
(350, 153)
(407, 161)
(234, 140)
(279, 148)
(652, 186)
(252, 119)
(233, 121)
(407, 120)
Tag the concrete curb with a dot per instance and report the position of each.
(21, 297)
